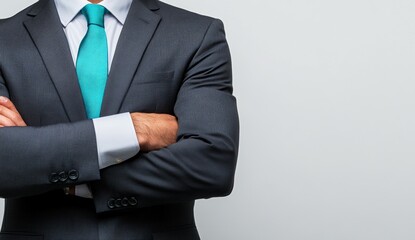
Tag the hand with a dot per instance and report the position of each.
(9, 116)
(155, 131)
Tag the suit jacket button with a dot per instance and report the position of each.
(111, 204)
(63, 176)
(118, 203)
(132, 201)
(53, 178)
(124, 202)
(73, 175)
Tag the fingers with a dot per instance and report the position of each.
(7, 103)
(9, 114)
(6, 122)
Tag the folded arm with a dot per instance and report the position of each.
(155, 130)
(39, 159)
(201, 164)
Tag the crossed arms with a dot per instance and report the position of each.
(154, 131)
(180, 160)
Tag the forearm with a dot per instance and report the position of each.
(118, 139)
(168, 176)
(31, 157)
(200, 165)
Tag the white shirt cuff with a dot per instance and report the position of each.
(116, 139)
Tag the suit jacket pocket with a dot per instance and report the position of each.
(20, 236)
(187, 233)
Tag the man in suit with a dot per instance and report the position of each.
(115, 116)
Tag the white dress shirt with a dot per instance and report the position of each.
(115, 135)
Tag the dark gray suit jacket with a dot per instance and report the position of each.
(167, 61)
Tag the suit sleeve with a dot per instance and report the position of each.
(39, 159)
(202, 162)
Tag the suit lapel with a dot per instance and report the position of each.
(46, 32)
(137, 32)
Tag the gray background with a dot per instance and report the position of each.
(326, 98)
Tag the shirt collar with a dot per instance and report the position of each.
(69, 9)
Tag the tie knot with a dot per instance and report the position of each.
(94, 14)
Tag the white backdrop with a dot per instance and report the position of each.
(326, 98)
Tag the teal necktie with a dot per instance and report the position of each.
(92, 62)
